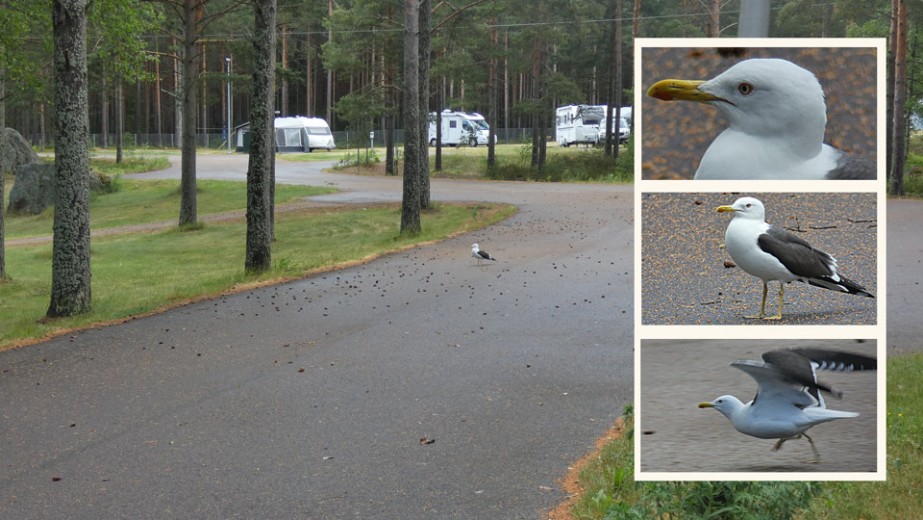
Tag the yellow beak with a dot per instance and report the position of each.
(706, 405)
(681, 89)
(726, 209)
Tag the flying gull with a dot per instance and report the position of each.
(788, 400)
(776, 114)
(773, 254)
(476, 252)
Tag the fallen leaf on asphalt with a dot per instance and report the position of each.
(427, 440)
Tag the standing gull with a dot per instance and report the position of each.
(772, 253)
(480, 255)
(788, 400)
(776, 120)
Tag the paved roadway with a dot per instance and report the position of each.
(310, 399)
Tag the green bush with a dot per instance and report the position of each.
(585, 165)
(108, 184)
(367, 157)
(718, 501)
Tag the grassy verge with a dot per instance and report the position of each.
(139, 272)
(131, 163)
(143, 202)
(900, 496)
(913, 179)
(513, 160)
(610, 492)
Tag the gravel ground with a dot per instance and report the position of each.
(685, 281)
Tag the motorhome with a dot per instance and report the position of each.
(578, 124)
(293, 134)
(624, 131)
(459, 128)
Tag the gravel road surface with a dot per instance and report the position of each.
(685, 282)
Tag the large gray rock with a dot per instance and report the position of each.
(14, 151)
(33, 189)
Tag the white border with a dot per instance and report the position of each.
(877, 332)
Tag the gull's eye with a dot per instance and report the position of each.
(749, 205)
(745, 88)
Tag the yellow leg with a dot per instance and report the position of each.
(762, 306)
(779, 443)
(813, 448)
(781, 294)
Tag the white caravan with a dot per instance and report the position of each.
(459, 128)
(293, 134)
(578, 124)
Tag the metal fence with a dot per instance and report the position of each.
(344, 139)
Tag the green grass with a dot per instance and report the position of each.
(913, 178)
(320, 155)
(131, 163)
(140, 272)
(900, 496)
(611, 492)
(572, 164)
(141, 202)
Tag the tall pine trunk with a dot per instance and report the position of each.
(492, 98)
(262, 156)
(119, 119)
(899, 123)
(70, 261)
(410, 205)
(188, 212)
(424, 102)
(2, 199)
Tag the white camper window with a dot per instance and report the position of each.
(453, 124)
(292, 137)
(316, 130)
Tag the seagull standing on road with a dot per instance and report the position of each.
(773, 254)
(480, 255)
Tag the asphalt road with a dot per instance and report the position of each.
(416, 386)
(310, 399)
(677, 436)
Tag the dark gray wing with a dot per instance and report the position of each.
(803, 260)
(795, 365)
(796, 255)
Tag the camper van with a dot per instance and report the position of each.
(624, 131)
(578, 124)
(293, 134)
(459, 128)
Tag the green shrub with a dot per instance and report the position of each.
(589, 165)
(368, 157)
(108, 184)
(718, 501)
